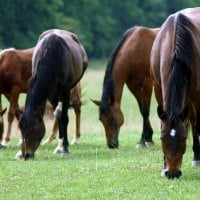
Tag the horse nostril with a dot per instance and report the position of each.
(172, 175)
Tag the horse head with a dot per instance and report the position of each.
(112, 119)
(33, 130)
(173, 138)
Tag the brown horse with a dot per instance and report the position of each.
(129, 64)
(15, 72)
(175, 63)
(59, 61)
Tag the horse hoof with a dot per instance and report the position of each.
(149, 144)
(74, 142)
(163, 171)
(58, 151)
(18, 155)
(65, 154)
(140, 146)
(196, 163)
(4, 144)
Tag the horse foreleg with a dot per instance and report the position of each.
(143, 97)
(196, 142)
(11, 115)
(53, 134)
(63, 120)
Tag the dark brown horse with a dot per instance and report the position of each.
(15, 72)
(129, 64)
(175, 62)
(59, 61)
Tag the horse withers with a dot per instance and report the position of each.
(59, 61)
(175, 65)
(129, 64)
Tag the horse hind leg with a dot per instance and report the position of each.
(77, 111)
(53, 134)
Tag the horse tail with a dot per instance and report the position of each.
(50, 61)
(180, 78)
(108, 85)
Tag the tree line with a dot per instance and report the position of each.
(99, 23)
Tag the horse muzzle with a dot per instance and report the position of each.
(173, 174)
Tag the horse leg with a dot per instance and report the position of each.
(196, 141)
(77, 111)
(11, 115)
(143, 97)
(53, 134)
(63, 120)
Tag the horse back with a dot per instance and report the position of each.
(15, 69)
(75, 52)
(134, 56)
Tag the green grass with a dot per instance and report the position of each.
(93, 171)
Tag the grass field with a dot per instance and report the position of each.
(93, 171)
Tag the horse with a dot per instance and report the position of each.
(58, 63)
(128, 64)
(15, 72)
(175, 69)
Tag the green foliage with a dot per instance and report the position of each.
(99, 23)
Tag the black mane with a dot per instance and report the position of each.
(180, 78)
(107, 98)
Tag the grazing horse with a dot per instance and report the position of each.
(15, 72)
(129, 64)
(58, 63)
(175, 66)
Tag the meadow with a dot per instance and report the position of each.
(93, 171)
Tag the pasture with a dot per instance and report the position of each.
(93, 171)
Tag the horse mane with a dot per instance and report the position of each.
(180, 78)
(51, 64)
(107, 98)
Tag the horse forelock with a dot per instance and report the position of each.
(107, 98)
(181, 68)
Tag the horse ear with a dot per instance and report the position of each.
(185, 112)
(161, 113)
(96, 102)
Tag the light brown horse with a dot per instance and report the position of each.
(129, 64)
(175, 64)
(15, 72)
(59, 62)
